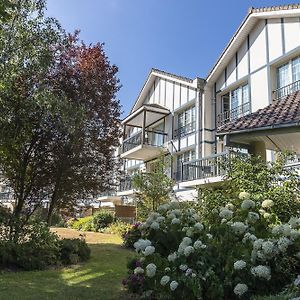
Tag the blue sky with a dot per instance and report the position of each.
(184, 37)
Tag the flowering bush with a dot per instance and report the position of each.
(132, 235)
(247, 251)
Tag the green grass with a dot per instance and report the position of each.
(99, 278)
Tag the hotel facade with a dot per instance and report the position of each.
(250, 101)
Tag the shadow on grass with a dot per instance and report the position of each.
(98, 278)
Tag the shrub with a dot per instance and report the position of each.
(83, 223)
(247, 251)
(102, 220)
(36, 249)
(119, 228)
(131, 236)
(73, 251)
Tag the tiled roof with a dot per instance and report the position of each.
(274, 8)
(285, 111)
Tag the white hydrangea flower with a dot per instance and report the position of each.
(260, 271)
(286, 229)
(294, 222)
(138, 270)
(175, 221)
(160, 219)
(199, 245)
(249, 237)
(186, 240)
(171, 216)
(183, 267)
(247, 204)
(176, 212)
(262, 211)
(239, 227)
(239, 265)
(141, 244)
(258, 244)
(172, 257)
(294, 234)
(163, 208)
(253, 217)
(283, 243)
(167, 269)
(174, 204)
(188, 272)
(173, 285)
(165, 280)
(230, 206)
(189, 250)
(154, 225)
(149, 250)
(240, 289)
(210, 236)
(297, 255)
(267, 247)
(151, 270)
(198, 226)
(196, 217)
(190, 232)
(267, 215)
(267, 203)
(244, 196)
(225, 213)
(194, 275)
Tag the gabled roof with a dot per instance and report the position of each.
(163, 74)
(281, 113)
(254, 14)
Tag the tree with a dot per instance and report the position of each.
(28, 109)
(83, 158)
(152, 189)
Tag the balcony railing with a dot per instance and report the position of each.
(151, 138)
(286, 90)
(185, 130)
(125, 184)
(234, 113)
(206, 167)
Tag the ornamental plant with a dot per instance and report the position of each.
(246, 252)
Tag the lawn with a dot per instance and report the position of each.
(99, 278)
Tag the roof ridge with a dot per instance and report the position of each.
(274, 8)
(172, 75)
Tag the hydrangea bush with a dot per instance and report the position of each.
(247, 251)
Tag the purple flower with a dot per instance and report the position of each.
(138, 263)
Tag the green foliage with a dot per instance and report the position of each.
(37, 248)
(119, 228)
(73, 251)
(263, 180)
(131, 236)
(241, 250)
(83, 223)
(152, 189)
(102, 220)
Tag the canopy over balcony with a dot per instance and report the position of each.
(146, 115)
(275, 127)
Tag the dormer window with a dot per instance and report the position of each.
(288, 78)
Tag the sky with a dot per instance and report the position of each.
(184, 37)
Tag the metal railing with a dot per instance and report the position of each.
(234, 113)
(286, 90)
(207, 167)
(185, 130)
(151, 138)
(125, 184)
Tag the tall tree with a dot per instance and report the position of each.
(83, 158)
(27, 106)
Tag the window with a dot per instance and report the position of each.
(186, 122)
(235, 104)
(288, 78)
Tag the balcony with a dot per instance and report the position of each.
(233, 114)
(149, 141)
(286, 90)
(125, 186)
(205, 170)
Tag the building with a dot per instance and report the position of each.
(250, 100)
